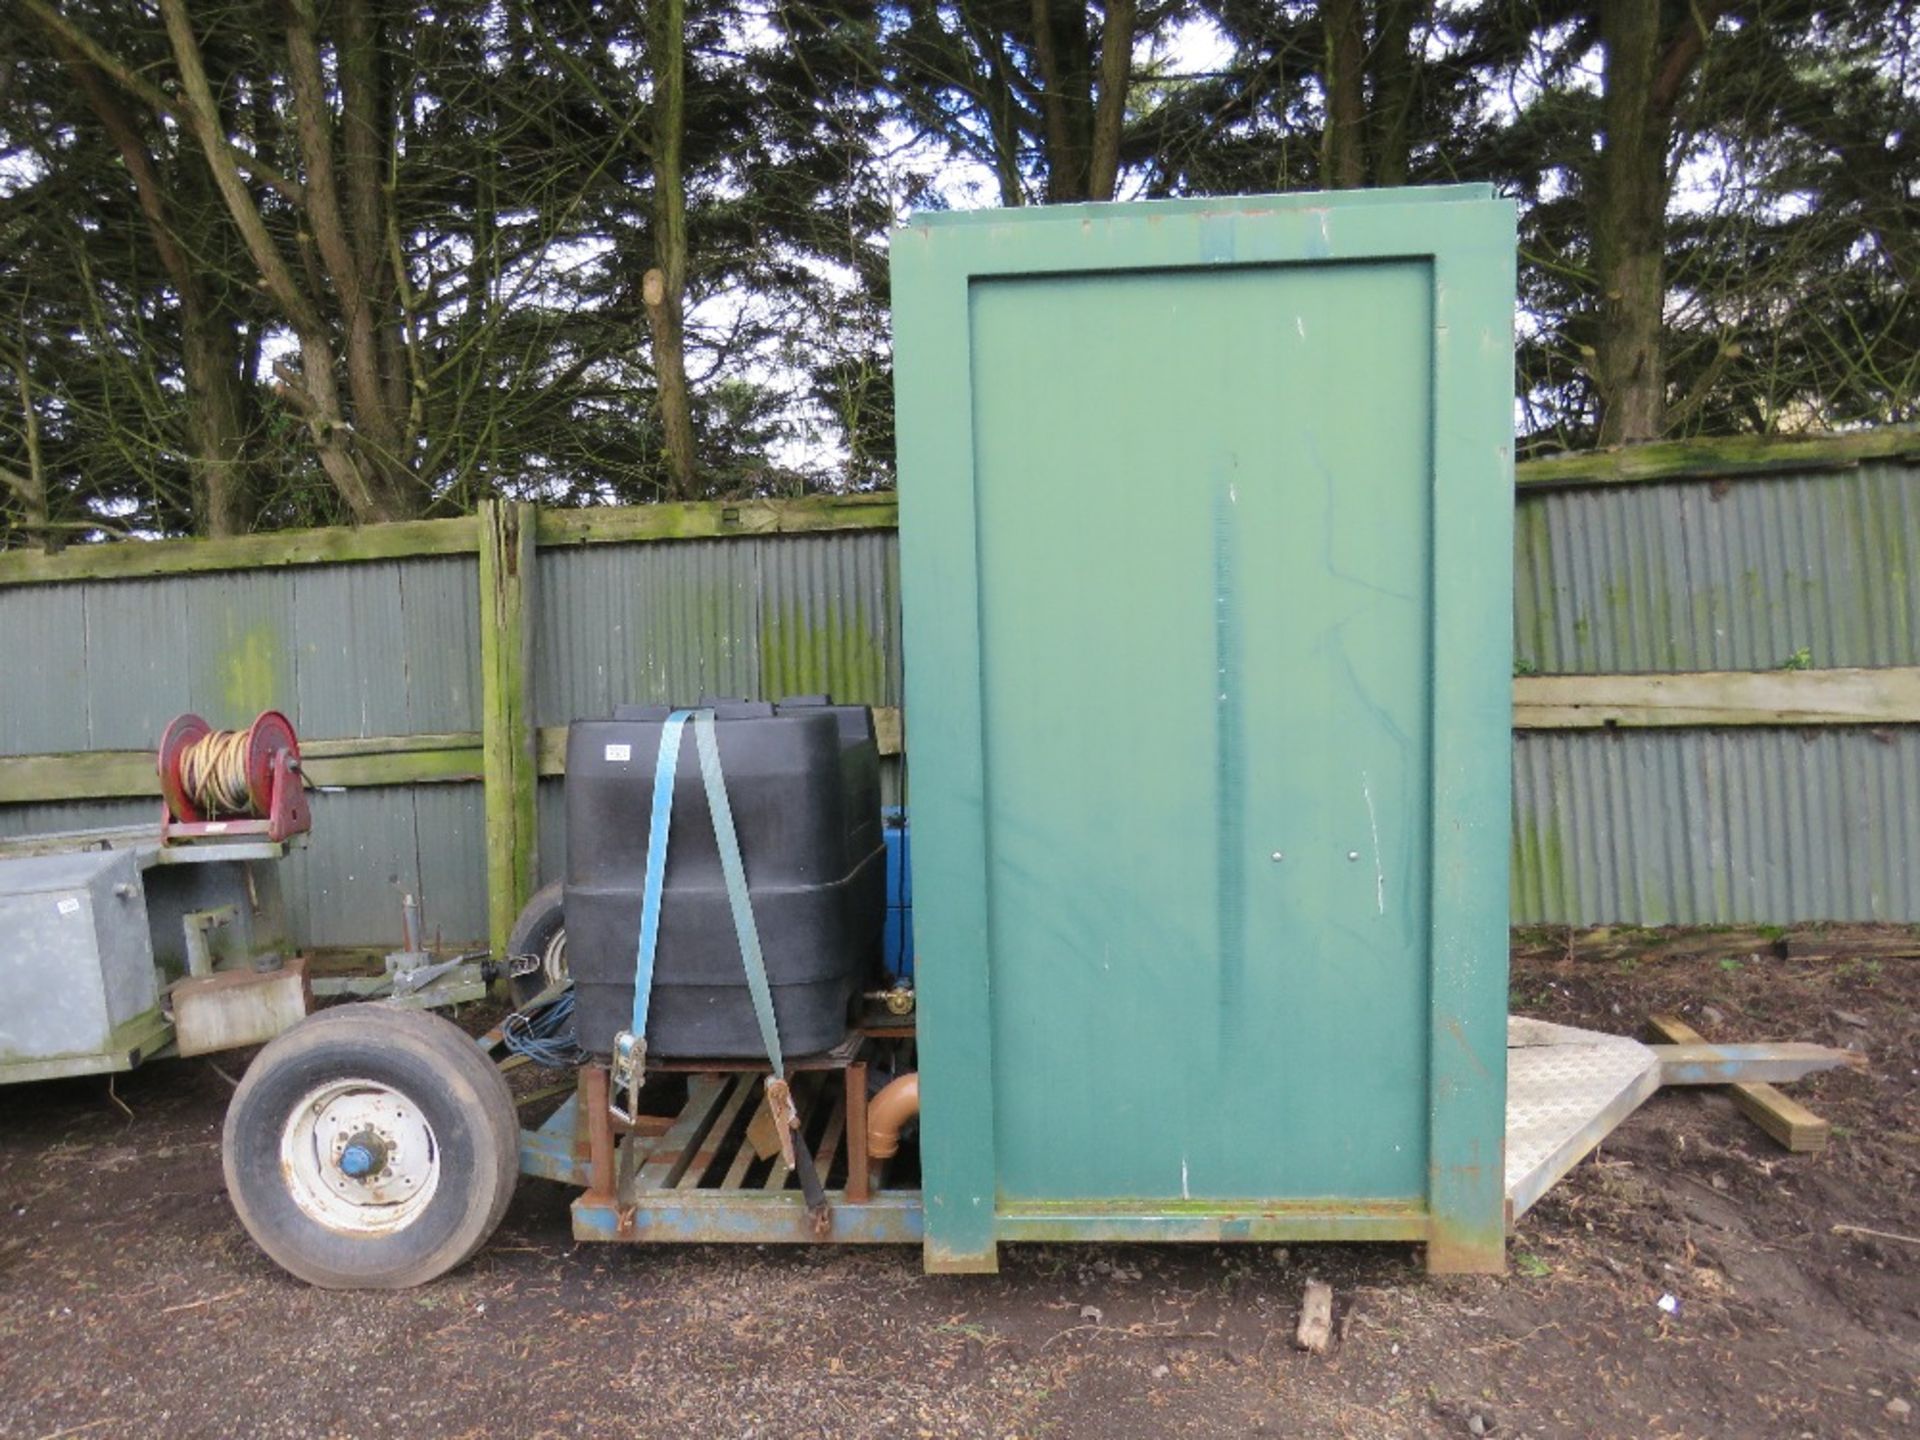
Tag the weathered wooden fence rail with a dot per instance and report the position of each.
(1667, 768)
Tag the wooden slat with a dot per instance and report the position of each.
(1725, 457)
(343, 544)
(743, 1090)
(830, 1137)
(85, 775)
(674, 1150)
(889, 729)
(351, 763)
(129, 774)
(706, 519)
(743, 1159)
(1773, 1110)
(1722, 697)
(1889, 696)
(403, 539)
(1693, 1064)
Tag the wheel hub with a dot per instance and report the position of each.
(365, 1154)
(359, 1157)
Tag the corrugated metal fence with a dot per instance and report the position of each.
(372, 640)
(1705, 825)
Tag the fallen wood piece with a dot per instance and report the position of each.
(1774, 1111)
(1876, 1234)
(1843, 947)
(1315, 1334)
(1702, 1064)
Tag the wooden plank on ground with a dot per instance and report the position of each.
(1774, 1111)
(1702, 1064)
(1889, 696)
(1818, 946)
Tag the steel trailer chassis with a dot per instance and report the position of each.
(696, 1177)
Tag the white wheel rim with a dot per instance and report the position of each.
(359, 1157)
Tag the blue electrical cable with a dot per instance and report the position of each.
(544, 1033)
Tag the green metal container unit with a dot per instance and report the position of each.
(1205, 536)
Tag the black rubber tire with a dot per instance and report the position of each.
(439, 1068)
(542, 920)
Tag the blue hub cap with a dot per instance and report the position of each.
(359, 1159)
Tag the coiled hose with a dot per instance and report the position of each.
(213, 772)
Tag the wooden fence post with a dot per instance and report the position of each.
(506, 711)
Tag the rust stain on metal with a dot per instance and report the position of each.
(1460, 1038)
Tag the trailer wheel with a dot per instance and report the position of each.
(539, 944)
(371, 1148)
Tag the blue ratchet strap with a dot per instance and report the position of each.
(630, 1045)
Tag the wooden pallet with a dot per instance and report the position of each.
(708, 1146)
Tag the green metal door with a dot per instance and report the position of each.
(1177, 718)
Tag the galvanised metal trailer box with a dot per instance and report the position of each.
(1205, 547)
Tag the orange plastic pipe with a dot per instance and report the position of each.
(888, 1112)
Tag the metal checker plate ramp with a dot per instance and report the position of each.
(1566, 1091)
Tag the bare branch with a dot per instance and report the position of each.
(61, 28)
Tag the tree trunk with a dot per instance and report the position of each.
(349, 233)
(370, 475)
(1083, 96)
(1343, 144)
(1629, 227)
(210, 346)
(216, 407)
(1646, 72)
(1110, 109)
(665, 285)
(31, 488)
(1394, 72)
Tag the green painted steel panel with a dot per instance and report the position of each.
(1210, 809)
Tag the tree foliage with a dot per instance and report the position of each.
(272, 262)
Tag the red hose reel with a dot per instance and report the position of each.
(219, 782)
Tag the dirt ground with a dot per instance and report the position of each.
(132, 1304)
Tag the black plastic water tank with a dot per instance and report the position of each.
(811, 841)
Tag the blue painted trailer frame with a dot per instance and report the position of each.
(660, 1201)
